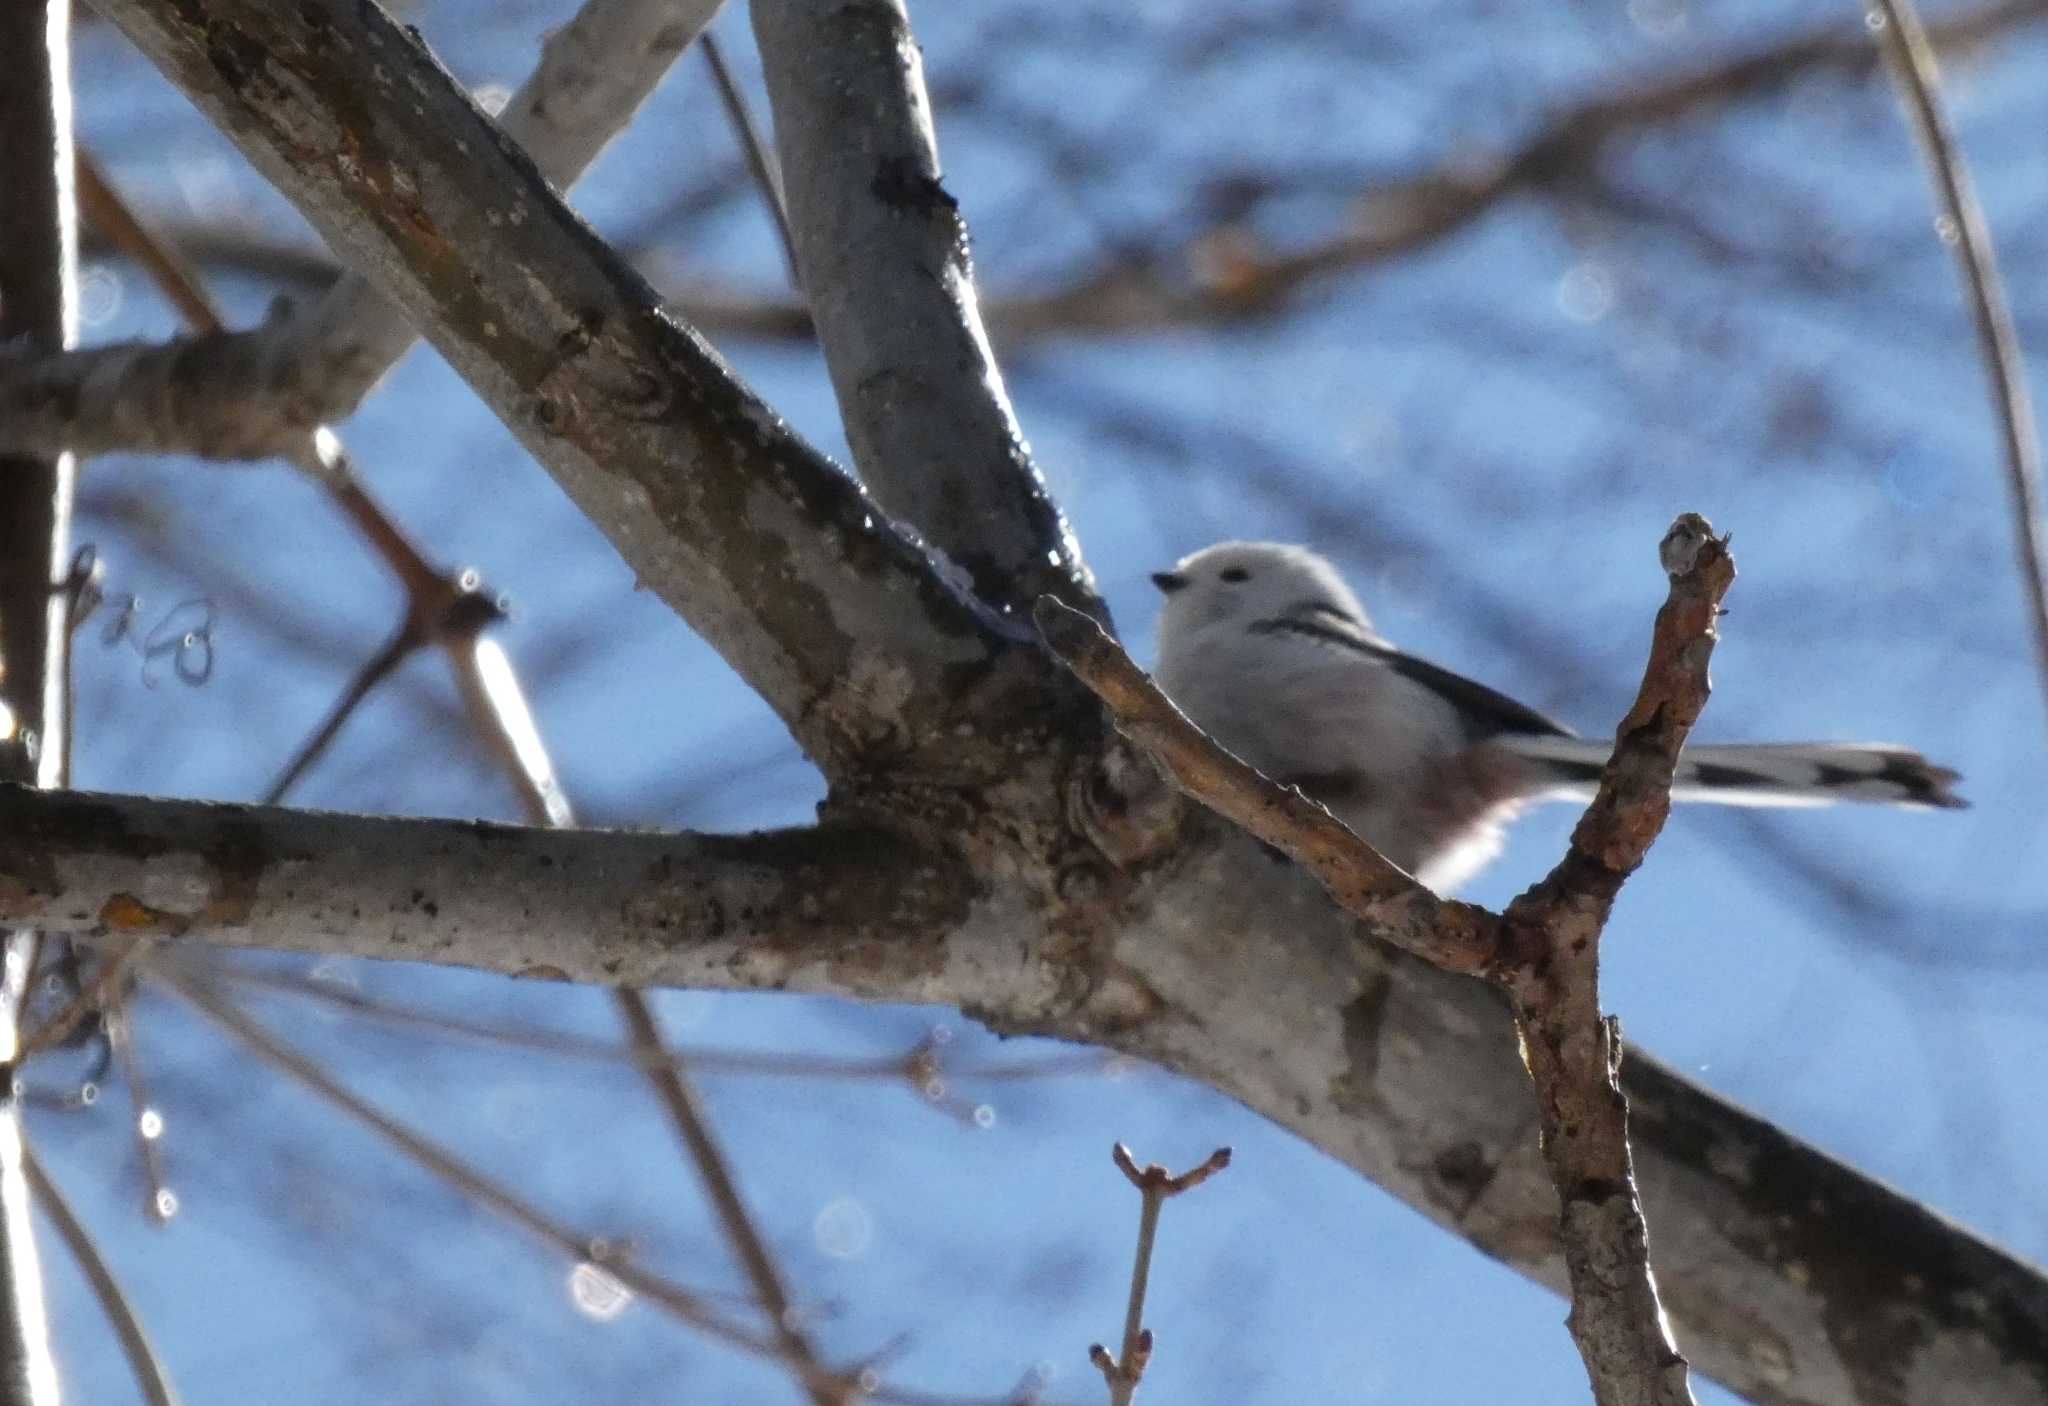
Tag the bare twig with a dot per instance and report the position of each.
(1551, 971)
(681, 1303)
(679, 1099)
(152, 1375)
(1910, 56)
(101, 990)
(760, 156)
(1155, 1186)
(916, 1068)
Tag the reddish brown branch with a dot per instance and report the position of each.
(1551, 971)
(1455, 936)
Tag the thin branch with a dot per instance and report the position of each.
(1910, 56)
(379, 667)
(152, 1374)
(1155, 1185)
(102, 990)
(686, 1114)
(683, 1304)
(1453, 936)
(1551, 972)
(916, 1069)
(760, 156)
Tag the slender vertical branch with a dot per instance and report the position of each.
(1910, 56)
(1155, 1186)
(38, 305)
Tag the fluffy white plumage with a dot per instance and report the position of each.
(1266, 648)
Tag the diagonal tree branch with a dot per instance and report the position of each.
(1910, 54)
(883, 251)
(772, 553)
(593, 75)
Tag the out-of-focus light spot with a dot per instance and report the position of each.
(1658, 19)
(933, 1089)
(685, 1010)
(1915, 480)
(942, 1034)
(492, 97)
(164, 1203)
(88, 1093)
(597, 1293)
(984, 1115)
(150, 1124)
(1874, 20)
(206, 179)
(1585, 293)
(99, 295)
(843, 1229)
(1370, 439)
(1946, 230)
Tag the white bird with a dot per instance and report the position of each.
(1265, 648)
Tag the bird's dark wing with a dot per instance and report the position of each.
(1486, 712)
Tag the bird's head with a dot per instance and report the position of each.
(1235, 585)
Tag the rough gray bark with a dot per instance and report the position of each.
(883, 250)
(1790, 1277)
(594, 73)
(38, 304)
(771, 552)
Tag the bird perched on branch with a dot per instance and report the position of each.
(1267, 650)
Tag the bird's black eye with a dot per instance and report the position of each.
(1235, 575)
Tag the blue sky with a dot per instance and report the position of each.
(1489, 436)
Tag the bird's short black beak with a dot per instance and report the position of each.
(1169, 581)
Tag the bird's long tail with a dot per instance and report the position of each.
(1764, 774)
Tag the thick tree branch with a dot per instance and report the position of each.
(772, 553)
(594, 73)
(803, 908)
(883, 251)
(1790, 1277)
